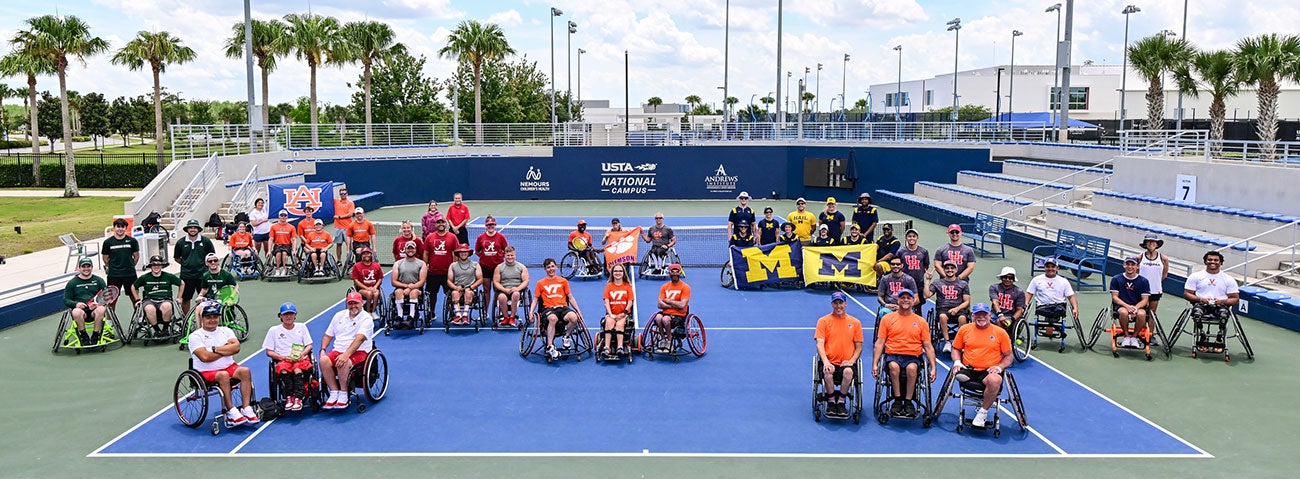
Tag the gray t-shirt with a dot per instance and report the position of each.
(462, 273)
(962, 254)
(1006, 300)
(511, 276)
(408, 271)
(948, 294)
(915, 263)
(660, 236)
(889, 286)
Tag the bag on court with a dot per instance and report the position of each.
(268, 409)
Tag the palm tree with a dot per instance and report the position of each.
(807, 101)
(268, 35)
(654, 103)
(155, 50)
(692, 100)
(472, 44)
(371, 42)
(317, 40)
(1152, 57)
(767, 102)
(1219, 78)
(56, 39)
(5, 92)
(1262, 61)
(23, 61)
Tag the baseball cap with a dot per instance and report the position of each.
(354, 297)
(855, 227)
(1007, 270)
(767, 209)
(284, 212)
(288, 307)
(211, 256)
(830, 200)
(319, 222)
(440, 220)
(839, 296)
(907, 292)
(582, 222)
(950, 263)
(410, 244)
(85, 262)
(674, 266)
(1050, 260)
(954, 227)
(742, 223)
(489, 221)
(614, 221)
(359, 211)
(800, 201)
(887, 226)
(366, 249)
(211, 308)
(743, 194)
(1131, 259)
(980, 308)
(823, 227)
(912, 231)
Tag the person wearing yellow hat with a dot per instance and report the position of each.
(833, 219)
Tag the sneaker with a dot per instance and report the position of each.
(981, 417)
(83, 339)
(250, 415)
(1152, 341)
(342, 401)
(897, 408)
(566, 342)
(234, 417)
(555, 353)
(291, 404)
(95, 337)
(947, 347)
(909, 409)
(332, 402)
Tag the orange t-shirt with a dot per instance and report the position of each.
(306, 225)
(283, 234)
(239, 240)
(982, 348)
(584, 235)
(343, 208)
(620, 297)
(677, 292)
(317, 240)
(902, 336)
(361, 231)
(553, 292)
(842, 336)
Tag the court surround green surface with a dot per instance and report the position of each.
(59, 408)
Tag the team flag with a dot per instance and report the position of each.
(767, 264)
(293, 197)
(844, 264)
(622, 246)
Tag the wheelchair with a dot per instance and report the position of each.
(688, 337)
(370, 377)
(574, 264)
(293, 262)
(970, 395)
(329, 272)
(191, 396)
(233, 316)
(1153, 331)
(66, 336)
(655, 266)
(389, 314)
(936, 334)
(728, 275)
(478, 315)
(141, 330)
(532, 339)
(281, 387)
(1050, 327)
(252, 268)
(1199, 327)
(629, 341)
(883, 403)
(350, 258)
(494, 316)
(821, 396)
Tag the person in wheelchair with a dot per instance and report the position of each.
(580, 242)
(951, 301)
(360, 232)
(213, 348)
(463, 278)
(408, 277)
(888, 287)
(510, 281)
(77, 296)
(979, 354)
(289, 345)
(347, 342)
(823, 237)
(155, 292)
(317, 243)
(1052, 292)
(556, 306)
(1008, 300)
(901, 339)
(366, 275)
(241, 247)
(661, 239)
(855, 236)
(215, 278)
(619, 297)
(1213, 294)
(674, 303)
(282, 237)
(1129, 292)
(839, 345)
(742, 237)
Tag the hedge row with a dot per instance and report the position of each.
(7, 144)
(110, 175)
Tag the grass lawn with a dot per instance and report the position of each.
(44, 219)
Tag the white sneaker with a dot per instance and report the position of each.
(947, 347)
(555, 353)
(981, 417)
(332, 401)
(566, 342)
(250, 415)
(342, 401)
(234, 417)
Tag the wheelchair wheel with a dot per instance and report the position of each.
(696, 338)
(816, 388)
(236, 319)
(728, 278)
(648, 337)
(1017, 405)
(64, 333)
(1098, 325)
(569, 265)
(190, 398)
(878, 406)
(527, 335)
(375, 376)
(1021, 340)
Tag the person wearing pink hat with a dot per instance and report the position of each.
(354, 329)
(956, 252)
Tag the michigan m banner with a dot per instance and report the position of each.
(844, 264)
(768, 264)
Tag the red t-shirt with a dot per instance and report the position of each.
(491, 250)
(399, 243)
(367, 275)
(439, 249)
(457, 215)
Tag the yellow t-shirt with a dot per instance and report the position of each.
(803, 224)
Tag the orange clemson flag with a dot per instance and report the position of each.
(622, 246)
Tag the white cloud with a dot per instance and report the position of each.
(508, 18)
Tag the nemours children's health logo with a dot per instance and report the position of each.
(533, 181)
(721, 182)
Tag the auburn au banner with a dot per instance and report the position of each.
(767, 264)
(622, 246)
(845, 264)
(293, 197)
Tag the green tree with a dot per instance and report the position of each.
(1263, 61)
(767, 102)
(654, 103)
(280, 112)
(371, 43)
(234, 113)
(157, 50)
(401, 93)
(142, 116)
(1152, 57)
(807, 98)
(57, 39)
(268, 44)
(318, 41)
(473, 44)
(1219, 78)
(967, 113)
(94, 117)
(860, 105)
(513, 92)
(48, 118)
(5, 92)
(201, 112)
(121, 118)
(25, 61)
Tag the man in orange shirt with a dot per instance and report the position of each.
(241, 245)
(343, 211)
(901, 337)
(317, 242)
(674, 302)
(986, 352)
(306, 225)
(360, 232)
(555, 305)
(282, 235)
(588, 252)
(839, 345)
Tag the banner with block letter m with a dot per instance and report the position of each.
(293, 197)
(755, 266)
(843, 264)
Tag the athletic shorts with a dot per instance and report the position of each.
(157, 304)
(976, 378)
(1051, 311)
(261, 237)
(282, 248)
(282, 367)
(838, 375)
(1155, 297)
(658, 250)
(211, 376)
(189, 287)
(903, 360)
(559, 312)
(340, 235)
(123, 283)
(358, 358)
(953, 319)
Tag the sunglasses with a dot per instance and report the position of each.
(213, 261)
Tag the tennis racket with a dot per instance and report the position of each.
(104, 297)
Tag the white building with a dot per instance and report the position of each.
(667, 116)
(1094, 94)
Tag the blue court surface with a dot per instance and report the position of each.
(467, 394)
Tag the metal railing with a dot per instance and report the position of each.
(1196, 144)
(154, 187)
(196, 141)
(20, 293)
(865, 132)
(1245, 245)
(246, 193)
(187, 202)
(1117, 250)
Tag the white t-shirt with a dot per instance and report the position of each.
(265, 226)
(1211, 286)
(202, 339)
(1050, 290)
(282, 340)
(344, 329)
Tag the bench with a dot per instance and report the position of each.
(985, 232)
(1082, 254)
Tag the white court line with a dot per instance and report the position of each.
(508, 223)
(251, 436)
(1011, 414)
(646, 453)
(260, 351)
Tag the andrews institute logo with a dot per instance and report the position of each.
(721, 182)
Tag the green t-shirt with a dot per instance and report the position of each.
(156, 287)
(82, 290)
(214, 282)
(191, 254)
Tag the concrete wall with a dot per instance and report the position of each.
(160, 193)
(1083, 155)
(1240, 185)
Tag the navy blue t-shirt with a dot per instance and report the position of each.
(1130, 290)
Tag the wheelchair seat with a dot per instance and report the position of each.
(370, 378)
(192, 394)
(921, 397)
(139, 329)
(820, 399)
(970, 396)
(1108, 322)
(477, 311)
(686, 337)
(1211, 328)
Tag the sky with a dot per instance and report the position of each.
(675, 47)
